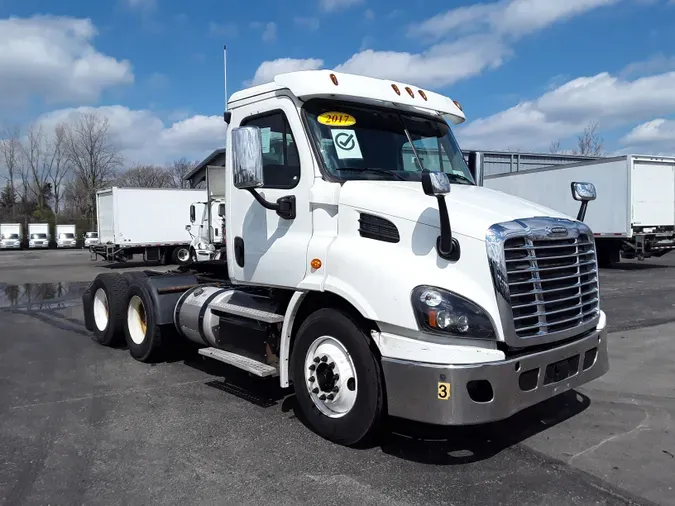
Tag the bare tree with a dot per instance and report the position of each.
(10, 150)
(59, 164)
(178, 169)
(145, 176)
(555, 148)
(590, 143)
(93, 156)
(36, 167)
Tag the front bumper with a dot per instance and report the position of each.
(65, 245)
(417, 391)
(10, 246)
(35, 246)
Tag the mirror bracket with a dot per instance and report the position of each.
(446, 245)
(285, 206)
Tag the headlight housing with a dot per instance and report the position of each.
(442, 312)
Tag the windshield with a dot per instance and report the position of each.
(67, 236)
(10, 236)
(366, 142)
(38, 236)
(92, 234)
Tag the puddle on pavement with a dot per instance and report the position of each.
(41, 295)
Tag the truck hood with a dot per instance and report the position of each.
(472, 209)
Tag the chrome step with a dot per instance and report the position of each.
(240, 362)
(247, 312)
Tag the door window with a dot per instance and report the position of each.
(281, 163)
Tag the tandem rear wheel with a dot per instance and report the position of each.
(338, 378)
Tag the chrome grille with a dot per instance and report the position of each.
(552, 283)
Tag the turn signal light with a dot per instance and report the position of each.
(315, 263)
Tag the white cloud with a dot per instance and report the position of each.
(223, 30)
(441, 65)
(310, 23)
(53, 58)
(657, 133)
(142, 4)
(568, 109)
(143, 137)
(267, 70)
(507, 17)
(369, 14)
(334, 5)
(270, 32)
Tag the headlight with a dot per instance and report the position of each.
(443, 312)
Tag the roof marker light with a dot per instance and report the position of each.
(458, 105)
(398, 92)
(333, 78)
(422, 94)
(410, 92)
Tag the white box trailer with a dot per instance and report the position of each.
(38, 235)
(65, 236)
(10, 236)
(634, 213)
(147, 221)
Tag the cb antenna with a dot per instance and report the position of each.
(225, 74)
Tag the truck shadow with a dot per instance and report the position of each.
(466, 444)
(635, 266)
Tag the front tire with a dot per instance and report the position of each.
(143, 335)
(181, 255)
(349, 409)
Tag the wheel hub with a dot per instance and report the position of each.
(330, 377)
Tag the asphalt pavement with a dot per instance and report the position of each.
(84, 424)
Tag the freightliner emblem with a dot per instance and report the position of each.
(556, 231)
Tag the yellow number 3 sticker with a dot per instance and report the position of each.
(444, 391)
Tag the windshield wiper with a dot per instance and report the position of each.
(461, 177)
(379, 171)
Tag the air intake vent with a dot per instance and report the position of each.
(380, 229)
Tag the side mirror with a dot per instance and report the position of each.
(247, 159)
(435, 183)
(476, 166)
(584, 193)
(221, 210)
(193, 214)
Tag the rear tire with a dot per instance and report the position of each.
(107, 303)
(143, 335)
(353, 406)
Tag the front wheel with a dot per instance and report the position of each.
(338, 378)
(181, 255)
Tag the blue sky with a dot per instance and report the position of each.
(528, 72)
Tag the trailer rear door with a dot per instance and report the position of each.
(653, 189)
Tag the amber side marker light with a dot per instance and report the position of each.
(422, 94)
(398, 92)
(459, 106)
(333, 78)
(410, 92)
(315, 263)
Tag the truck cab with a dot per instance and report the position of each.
(207, 229)
(375, 277)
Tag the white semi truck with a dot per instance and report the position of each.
(10, 236)
(634, 215)
(144, 221)
(370, 286)
(38, 235)
(65, 236)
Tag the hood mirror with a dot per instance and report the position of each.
(437, 184)
(584, 193)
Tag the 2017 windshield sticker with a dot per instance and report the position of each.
(333, 118)
(346, 143)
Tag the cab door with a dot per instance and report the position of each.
(262, 247)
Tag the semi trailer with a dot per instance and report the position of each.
(634, 215)
(10, 236)
(371, 286)
(144, 221)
